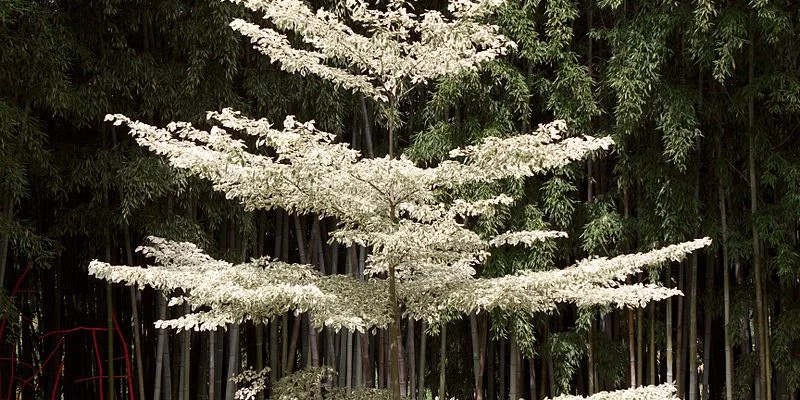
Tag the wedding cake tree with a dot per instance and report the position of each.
(423, 253)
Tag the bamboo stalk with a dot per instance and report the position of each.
(514, 370)
(693, 329)
(477, 362)
(443, 362)
(725, 284)
(233, 360)
(212, 373)
(410, 347)
(422, 355)
(160, 346)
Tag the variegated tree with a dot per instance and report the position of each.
(422, 252)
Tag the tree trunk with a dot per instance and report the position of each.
(590, 359)
(411, 349)
(631, 341)
(693, 329)
(707, 334)
(167, 387)
(133, 294)
(259, 353)
(109, 326)
(668, 333)
(760, 321)
(201, 387)
(7, 210)
(330, 348)
(502, 365)
(345, 336)
(381, 349)
(544, 378)
(640, 345)
(137, 335)
(422, 355)
(233, 361)
(532, 378)
(183, 377)
(490, 371)
(345, 358)
(364, 374)
(679, 353)
(274, 355)
(477, 355)
(219, 350)
(313, 343)
(652, 350)
(288, 366)
(367, 374)
(631, 349)
(514, 370)
(367, 128)
(443, 362)
(395, 350)
(551, 377)
(725, 287)
(160, 347)
(212, 365)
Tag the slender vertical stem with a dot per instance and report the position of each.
(668, 333)
(7, 210)
(313, 342)
(491, 391)
(725, 284)
(443, 362)
(137, 334)
(395, 355)
(259, 352)
(109, 304)
(422, 355)
(477, 356)
(167, 386)
(361, 372)
(110, 338)
(640, 346)
(366, 375)
(212, 336)
(707, 333)
(233, 360)
(395, 351)
(631, 342)
(381, 350)
(590, 360)
(652, 348)
(631, 348)
(219, 351)
(502, 363)
(274, 355)
(551, 377)
(346, 359)
(411, 349)
(288, 365)
(679, 345)
(186, 353)
(760, 321)
(532, 377)
(160, 346)
(515, 369)
(693, 329)
(367, 127)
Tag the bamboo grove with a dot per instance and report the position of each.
(701, 100)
